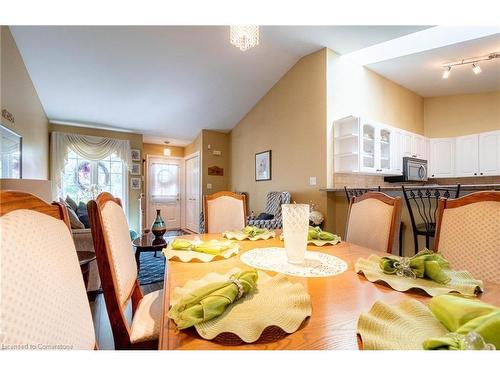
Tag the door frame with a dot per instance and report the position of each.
(181, 187)
(191, 156)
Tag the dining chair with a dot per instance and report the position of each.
(44, 301)
(373, 221)
(422, 204)
(224, 211)
(118, 271)
(468, 233)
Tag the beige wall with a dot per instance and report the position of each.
(20, 98)
(154, 149)
(194, 146)
(291, 121)
(135, 143)
(218, 142)
(451, 116)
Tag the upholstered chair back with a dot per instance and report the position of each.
(118, 271)
(469, 234)
(224, 211)
(373, 221)
(116, 234)
(43, 298)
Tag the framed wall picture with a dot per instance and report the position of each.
(136, 169)
(136, 154)
(135, 183)
(263, 165)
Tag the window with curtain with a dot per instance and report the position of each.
(83, 178)
(82, 166)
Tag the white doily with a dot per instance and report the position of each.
(274, 259)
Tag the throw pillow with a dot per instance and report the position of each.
(71, 203)
(73, 218)
(265, 216)
(83, 214)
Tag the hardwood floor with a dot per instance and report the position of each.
(102, 326)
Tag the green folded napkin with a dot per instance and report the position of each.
(213, 247)
(424, 264)
(465, 318)
(315, 233)
(211, 300)
(253, 231)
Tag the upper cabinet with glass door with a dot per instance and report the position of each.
(363, 146)
(368, 146)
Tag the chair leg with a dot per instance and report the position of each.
(415, 241)
(401, 228)
(427, 241)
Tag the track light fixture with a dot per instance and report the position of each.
(470, 61)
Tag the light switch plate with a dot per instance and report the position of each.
(209, 186)
(312, 180)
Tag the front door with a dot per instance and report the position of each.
(164, 187)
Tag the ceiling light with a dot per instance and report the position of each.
(244, 37)
(476, 69)
(447, 72)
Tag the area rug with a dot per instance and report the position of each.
(153, 268)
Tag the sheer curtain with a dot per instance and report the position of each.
(88, 147)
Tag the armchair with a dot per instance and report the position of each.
(273, 207)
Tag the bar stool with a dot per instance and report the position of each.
(422, 203)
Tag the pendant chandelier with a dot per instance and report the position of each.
(244, 37)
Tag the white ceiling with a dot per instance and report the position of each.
(421, 72)
(169, 82)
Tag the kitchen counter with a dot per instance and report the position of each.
(475, 187)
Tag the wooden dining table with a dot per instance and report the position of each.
(337, 301)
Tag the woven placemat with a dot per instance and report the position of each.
(196, 256)
(398, 327)
(240, 235)
(316, 264)
(276, 303)
(461, 281)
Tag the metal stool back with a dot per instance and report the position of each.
(422, 204)
(357, 192)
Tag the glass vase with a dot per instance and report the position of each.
(158, 228)
(295, 230)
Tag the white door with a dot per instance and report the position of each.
(489, 153)
(467, 156)
(193, 193)
(164, 187)
(442, 157)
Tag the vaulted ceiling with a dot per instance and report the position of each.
(170, 81)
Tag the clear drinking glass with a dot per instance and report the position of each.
(295, 229)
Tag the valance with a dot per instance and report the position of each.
(88, 147)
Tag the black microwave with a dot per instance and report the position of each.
(413, 170)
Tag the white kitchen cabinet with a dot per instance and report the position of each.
(467, 156)
(489, 154)
(406, 144)
(418, 146)
(413, 145)
(363, 146)
(442, 157)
